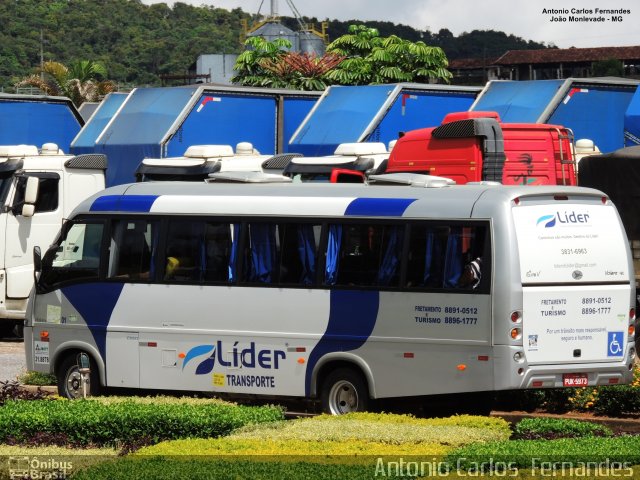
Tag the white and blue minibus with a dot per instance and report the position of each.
(342, 293)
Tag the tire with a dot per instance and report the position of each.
(344, 391)
(70, 382)
(18, 330)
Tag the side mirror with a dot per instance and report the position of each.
(37, 264)
(31, 190)
(30, 196)
(37, 259)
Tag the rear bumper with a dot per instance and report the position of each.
(510, 374)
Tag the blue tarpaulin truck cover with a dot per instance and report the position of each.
(38, 119)
(592, 108)
(632, 121)
(164, 122)
(375, 113)
(85, 141)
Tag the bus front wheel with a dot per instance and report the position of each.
(71, 383)
(344, 391)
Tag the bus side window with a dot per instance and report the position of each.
(184, 254)
(440, 256)
(218, 248)
(298, 253)
(364, 255)
(135, 243)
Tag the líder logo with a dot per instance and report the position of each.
(577, 274)
(548, 220)
(237, 357)
(563, 217)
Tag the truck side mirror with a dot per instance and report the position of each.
(30, 196)
(37, 259)
(37, 264)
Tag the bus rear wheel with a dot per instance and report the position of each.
(70, 381)
(344, 391)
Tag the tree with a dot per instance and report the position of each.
(79, 82)
(608, 68)
(269, 64)
(371, 59)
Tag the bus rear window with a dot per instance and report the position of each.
(568, 243)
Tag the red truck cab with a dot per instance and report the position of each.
(476, 146)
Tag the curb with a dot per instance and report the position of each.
(44, 388)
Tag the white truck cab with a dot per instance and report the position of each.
(38, 190)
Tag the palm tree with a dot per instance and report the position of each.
(79, 82)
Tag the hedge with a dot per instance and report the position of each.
(548, 428)
(90, 422)
(521, 453)
(360, 434)
(158, 468)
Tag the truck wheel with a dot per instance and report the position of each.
(18, 330)
(344, 391)
(70, 380)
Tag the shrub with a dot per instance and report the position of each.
(556, 400)
(549, 428)
(522, 453)
(384, 429)
(617, 400)
(289, 449)
(362, 434)
(520, 400)
(89, 422)
(171, 468)
(37, 378)
(13, 391)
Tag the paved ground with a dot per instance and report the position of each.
(12, 360)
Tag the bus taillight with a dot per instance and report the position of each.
(632, 313)
(516, 316)
(515, 333)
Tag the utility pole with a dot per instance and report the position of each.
(41, 54)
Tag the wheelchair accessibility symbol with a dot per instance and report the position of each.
(615, 344)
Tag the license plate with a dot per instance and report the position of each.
(575, 380)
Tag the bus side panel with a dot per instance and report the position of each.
(211, 338)
(60, 325)
(442, 342)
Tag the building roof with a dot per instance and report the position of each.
(568, 55)
(471, 63)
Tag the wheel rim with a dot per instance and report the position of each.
(73, 384)
(343, 398)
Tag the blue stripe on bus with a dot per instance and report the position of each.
(379, 207)
(123, 203)
(95, 303)
(352, 316)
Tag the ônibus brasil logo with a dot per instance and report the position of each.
(572, 217)
(247, 357)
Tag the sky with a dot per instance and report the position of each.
(523, 18)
